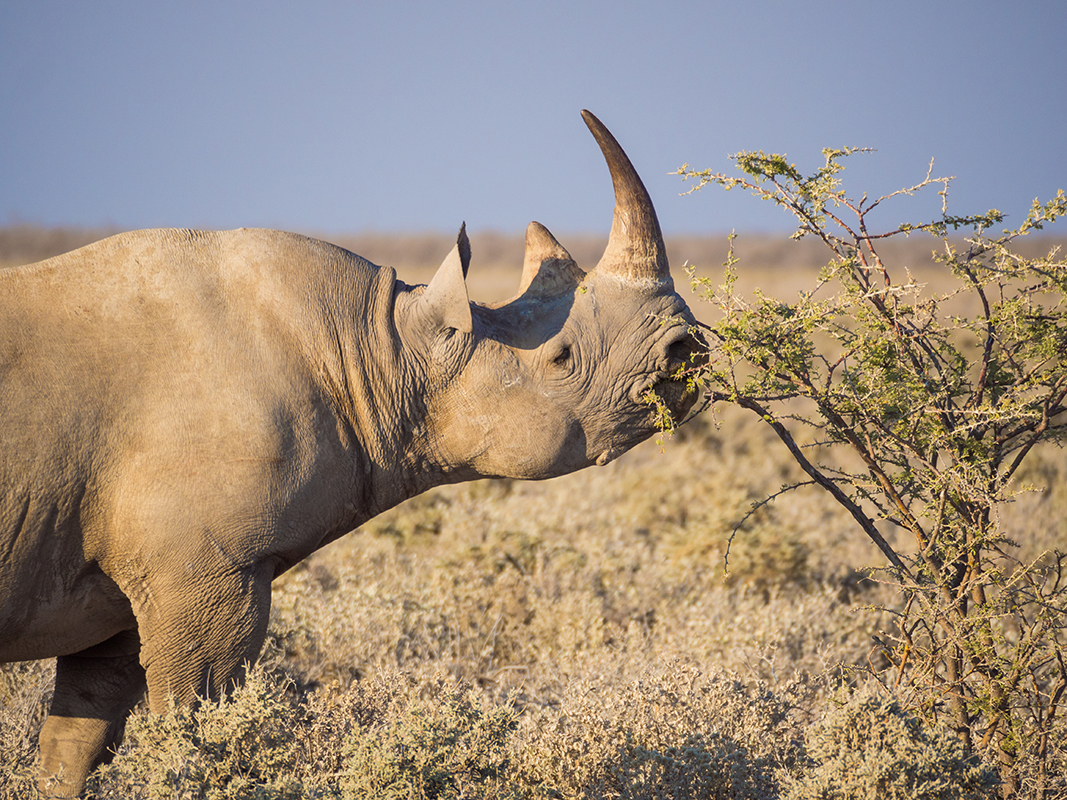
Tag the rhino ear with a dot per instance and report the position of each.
(464, 245)
(445, 301)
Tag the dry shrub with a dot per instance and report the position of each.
(525, 611)
(676, 733)
(25, 694)
(871, 748)
(267, 740)
(449, 745)
(240, 748)
(388, 736)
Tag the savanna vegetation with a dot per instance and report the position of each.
(855, 591)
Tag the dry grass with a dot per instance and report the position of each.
(568, 638)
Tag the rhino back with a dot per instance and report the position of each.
(162, 378)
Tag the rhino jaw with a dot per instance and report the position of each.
(608, 456)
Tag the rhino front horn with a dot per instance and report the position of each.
(635, 249)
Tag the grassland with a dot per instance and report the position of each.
(578, 637)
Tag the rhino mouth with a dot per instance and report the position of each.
(671, 384)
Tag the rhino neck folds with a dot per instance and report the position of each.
(385, 393)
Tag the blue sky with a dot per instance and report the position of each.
(408, 116)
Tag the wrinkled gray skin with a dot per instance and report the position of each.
(186, 415)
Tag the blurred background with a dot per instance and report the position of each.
(411, 117)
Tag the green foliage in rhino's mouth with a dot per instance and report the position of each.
(671, 396)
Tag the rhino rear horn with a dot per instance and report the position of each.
(635, 248)
(445, 301)
(547, 268)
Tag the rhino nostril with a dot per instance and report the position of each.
(679, 351)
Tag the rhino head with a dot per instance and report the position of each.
(559, 377)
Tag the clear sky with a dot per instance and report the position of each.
(414, 116)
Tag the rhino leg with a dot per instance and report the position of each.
(198, 644)
(95, 690)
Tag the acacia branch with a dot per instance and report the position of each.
(822, 480)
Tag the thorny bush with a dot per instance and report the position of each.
(916, 410)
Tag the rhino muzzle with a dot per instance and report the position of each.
(670, 383)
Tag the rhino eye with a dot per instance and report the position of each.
(563, 357)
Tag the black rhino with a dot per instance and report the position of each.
(185, 415)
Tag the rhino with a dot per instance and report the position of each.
(185, 415)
